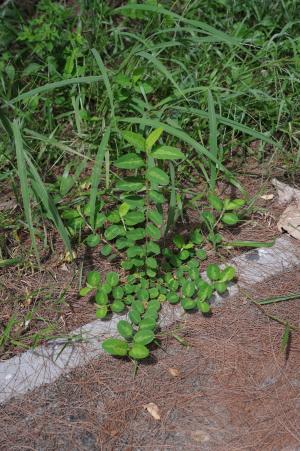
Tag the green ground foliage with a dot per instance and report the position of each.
(116, 117)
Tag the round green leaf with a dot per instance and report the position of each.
(143, 295)
(147, 324)
(84, 291)
(93, 278)
(213, 271)
(115, 347)
(136, 234)
(173, 298)
(154, 304)
(92, 240)
(134, 217)
(139, 352)
(228, 274)
(112, 278)
(101, 297)
(138, 306)
(155, 217)
(117, 306)
(152, 231)
(220, 287)
(118, 293)
(106, 250)
(113, 231)
(188, 289)
(101, 312)
(125, 329)
(188, 304)
(230, 218)
(144, 337)
(204, 307)
(134, 317)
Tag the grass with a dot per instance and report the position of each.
(214, 75)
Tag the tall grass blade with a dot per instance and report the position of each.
(106, 80)
(96, 174)
(172, 203)
(55, 85)
(208, 29)
(47, 202)
(213, 139)
(24, 182)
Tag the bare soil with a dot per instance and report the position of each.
(231, 388)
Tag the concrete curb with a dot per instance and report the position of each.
(45, 364)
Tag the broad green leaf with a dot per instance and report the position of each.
(144, 337)
(106, 250)
(135, 139)
(233, 204)
(155, 217)
(215, 202)
(93, 278)
(157, 176)
(228, 274)
(92, 240)
(113, 231)
(157, 197)
(134, 217)
(131, 184)
(134, 317)
(136, 234)
(151, 263)
(101, 312)
(139, 352)
(101, 297)
(112, 278)
(129, 161)
(203, 306)
(213, 271)
(153, 231)
(66, 183)
(153, 248)
(147, 324)
(153, 138)
(167, 153)
(118, 293)
(117, 306)
(230, 218)
(125, 329)
(188, 289)
(123, 209)
(84, 291)
(115, 347)
(188, 304)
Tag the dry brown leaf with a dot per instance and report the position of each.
(289, 221)
(267, 196)
(174, 372)
(153, 410)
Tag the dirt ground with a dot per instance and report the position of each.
(231, 388)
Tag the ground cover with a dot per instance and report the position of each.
(182, 95)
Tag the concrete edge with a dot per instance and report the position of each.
(45, 364)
